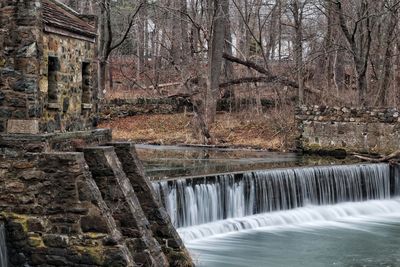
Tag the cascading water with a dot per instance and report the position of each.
(196, 201)
(3, 247)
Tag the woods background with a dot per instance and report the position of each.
(325, 52)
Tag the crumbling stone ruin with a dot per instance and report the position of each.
(68, 195)
(365, 130)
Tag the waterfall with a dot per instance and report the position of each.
(315, 215)
(3, 247)
(195, 201)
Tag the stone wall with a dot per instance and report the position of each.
(353, 129)
(25, 48)
(20, 55)
(120, 108)
(55, 216)
(160, 223)
(19, 144)
(68, 112)
(89, 208)
(120, 197)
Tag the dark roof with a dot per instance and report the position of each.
(57, 15)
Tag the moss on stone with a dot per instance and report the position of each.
(17, 218)
(93, 235)
(178, 258)
(95, 253)
(36, 242)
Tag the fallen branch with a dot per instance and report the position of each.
(394, 155)
(268, 78)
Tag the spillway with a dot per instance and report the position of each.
(201, 200)
(321, 216)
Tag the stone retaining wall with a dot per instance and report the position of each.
(81, 209)
(160, 222)
(120, 197)
(120, 108)
(55, 215)
(353, 129)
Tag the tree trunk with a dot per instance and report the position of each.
(227, 65)
(359, 40)
(298, 48)
(216, 49)
(387, 66)
(102, 78)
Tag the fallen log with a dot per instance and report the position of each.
(388, 158)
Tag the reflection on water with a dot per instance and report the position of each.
(355, 242)
(175, 161)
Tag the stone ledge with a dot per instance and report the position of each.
(68, 141)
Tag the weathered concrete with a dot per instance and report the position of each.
(360, 130)
(160, 222)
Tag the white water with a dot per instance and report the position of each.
(316, 215)
(198, 201)
(3, 247)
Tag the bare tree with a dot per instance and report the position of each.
(359, 38)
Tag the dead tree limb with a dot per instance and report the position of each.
(267, 78)
(264, 79)
(394, 155)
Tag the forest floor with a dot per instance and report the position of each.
(274, 131)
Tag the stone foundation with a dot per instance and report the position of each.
(82, 209)
(55, 216)
(359, 130)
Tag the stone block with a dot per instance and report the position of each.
(23, 126)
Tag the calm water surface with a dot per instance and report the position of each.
(179, 161)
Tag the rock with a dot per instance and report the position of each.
(56, 241)
(93, 223)
(35, 241)
(15, 187)
(110, 241)
(28, 51)
(35, 225)
(32, 175)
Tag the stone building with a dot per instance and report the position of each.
(68, 195)
(47, 68)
